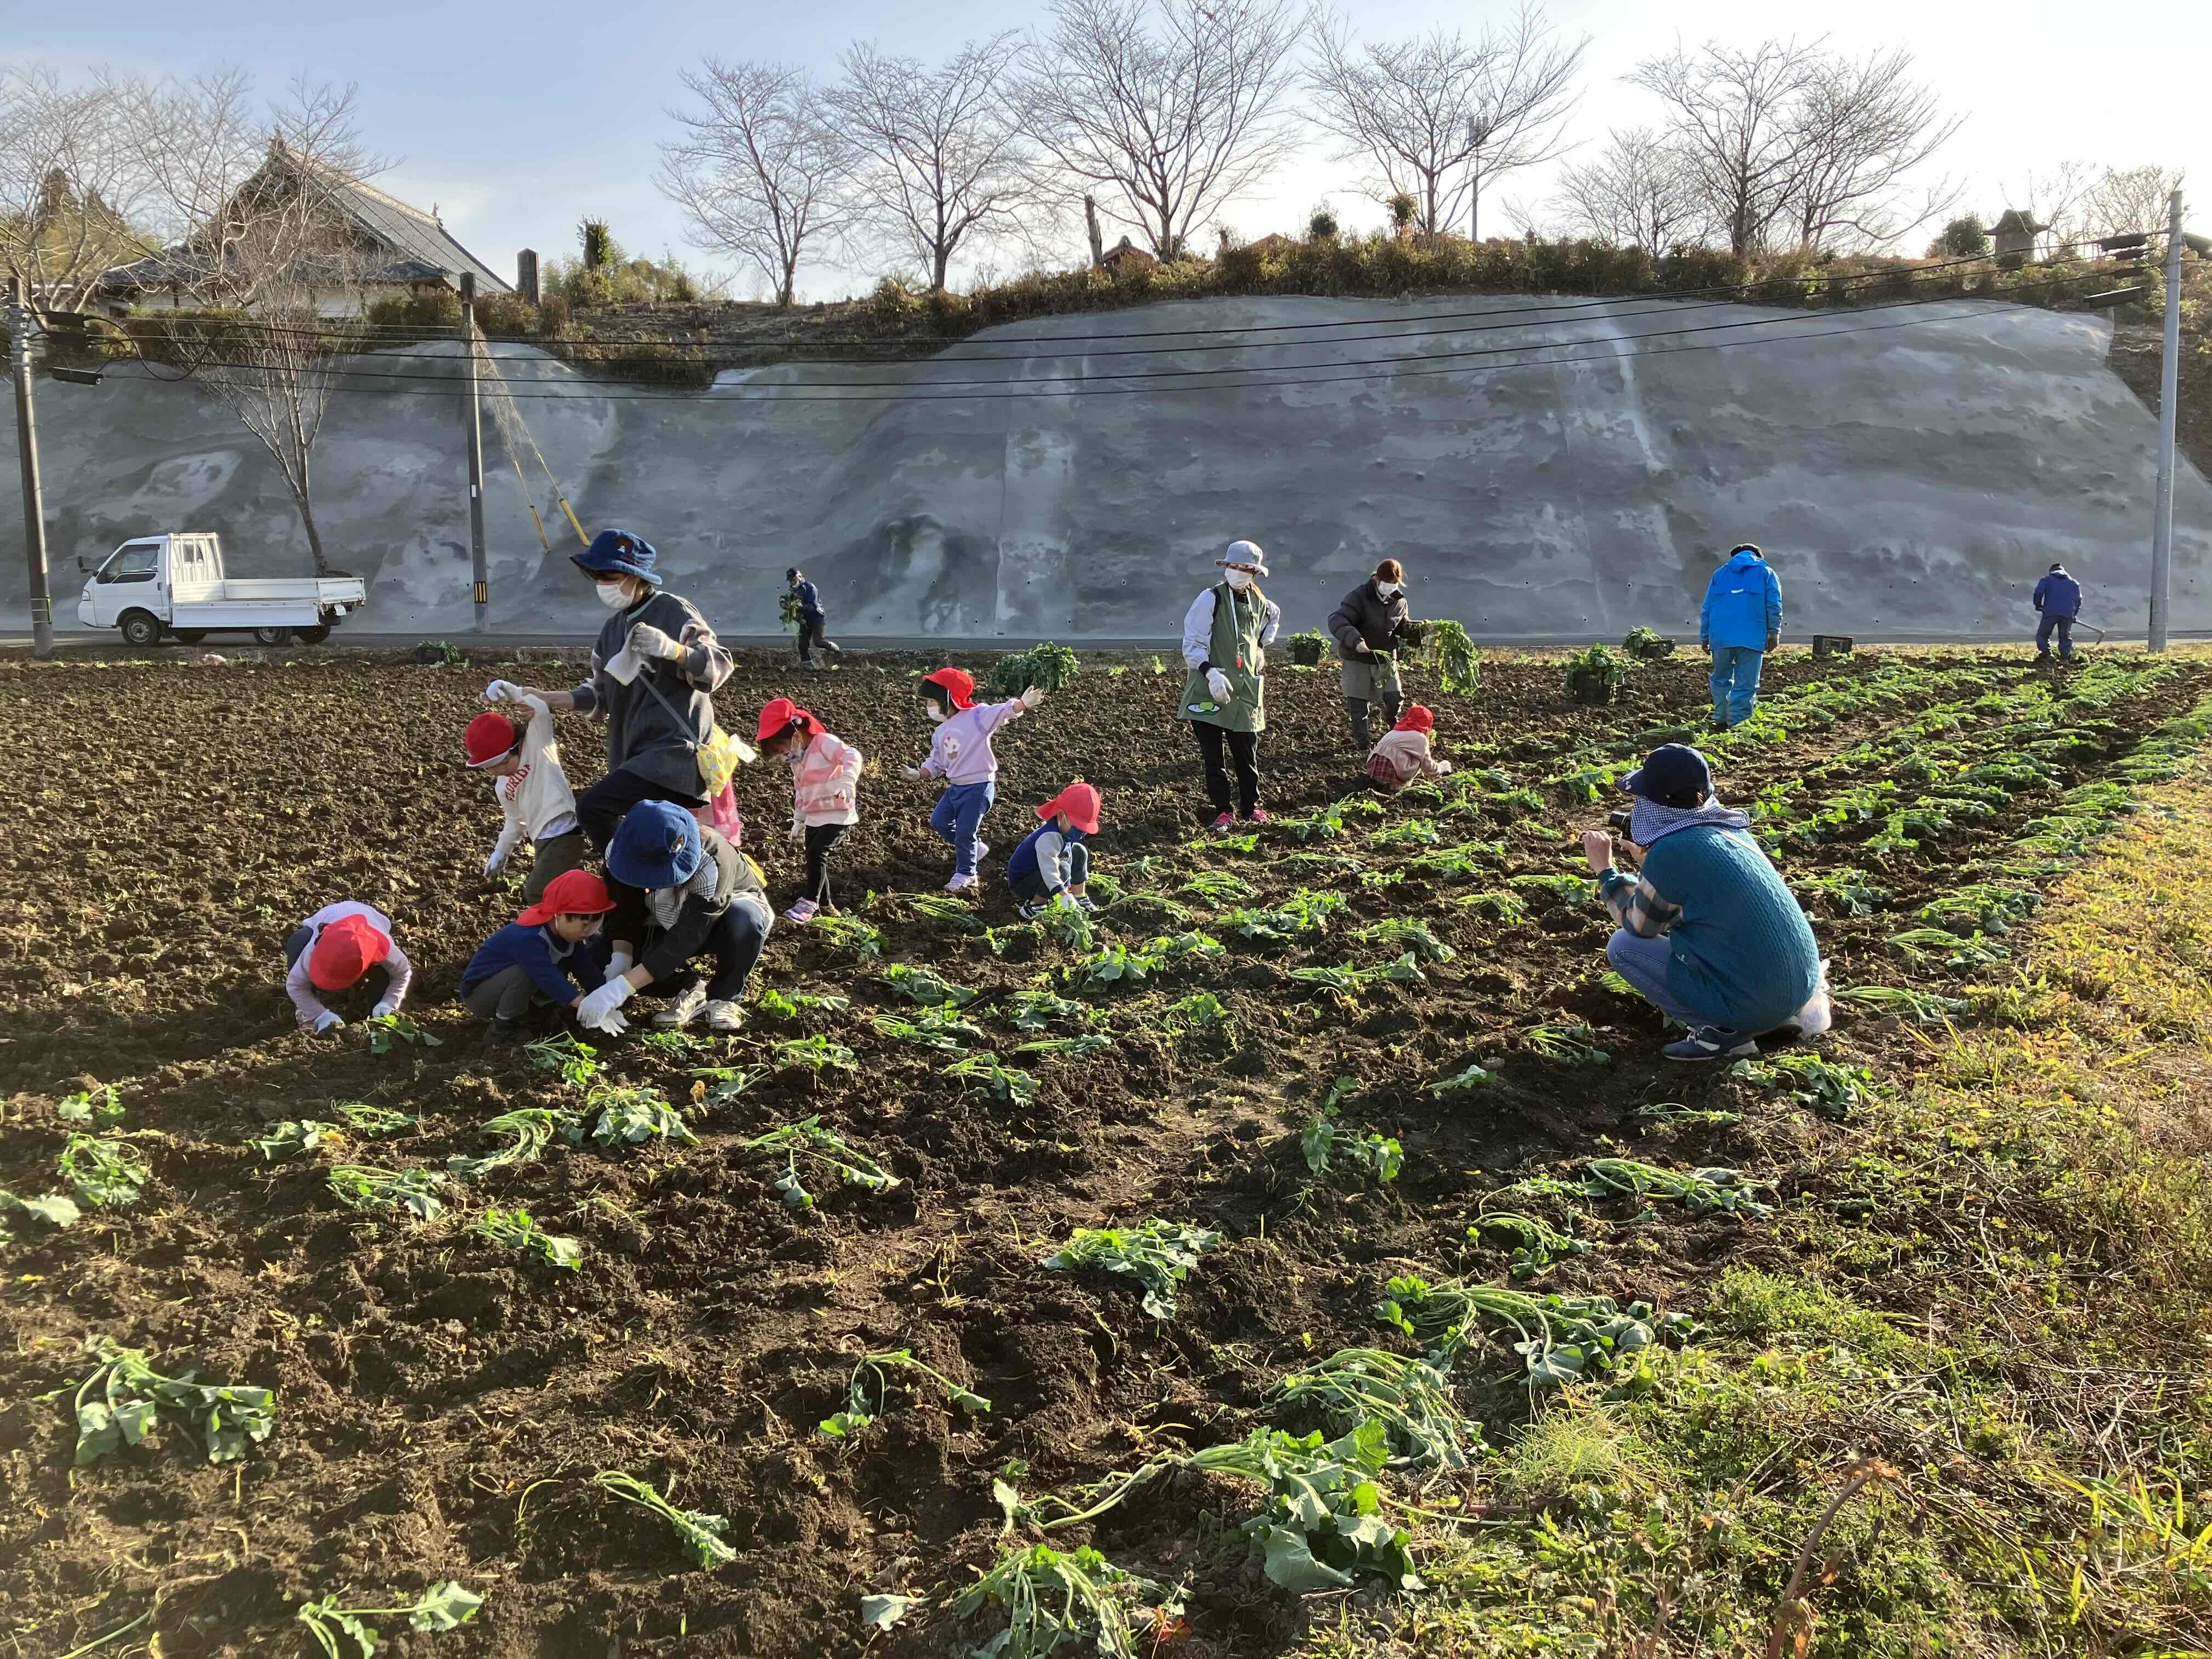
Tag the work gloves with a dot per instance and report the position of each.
(1033, 696)
(619, 962)
(1774, 642)
(384, 1010)
(497, 860)
(596, 1010)
(646, 641)
(1218, 683)
(502, 692)
(326, 1021)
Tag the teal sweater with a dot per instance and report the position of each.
(1744, 954)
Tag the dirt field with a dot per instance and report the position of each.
(443, 1404)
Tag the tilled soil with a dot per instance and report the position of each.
(443, 1404)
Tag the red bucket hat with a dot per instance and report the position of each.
(571, 893)
(1416, 718)
(780, 712)
(1079, 801)
(491, 738)
(343, 952)
(960, 687)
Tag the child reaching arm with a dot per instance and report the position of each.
(332, 950)
(1401, 753)
(523, 763)
(541, 957)
(960, 753)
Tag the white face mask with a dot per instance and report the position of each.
(1390, 590)
(938, 712)
(615, 595)
(1239, 580)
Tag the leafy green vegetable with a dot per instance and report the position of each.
(384, 1030)
(807, 1138)
(1158, 1254)
(1038, 1011)
(1536, 1243)
(993, 1081)
(1567, 1045)
(1695, 1190)
(1054, 1601)
(629, 1116)
(118, 1404)
(103, 1172)
(529, 1130)
(922, 986)
(289, 1137)
(812, 1054)
(515, 1230)
(931, 1028)
(1409, 1398)
(1829, 1089)
(1405, 934)
(700, 1532)
(862, 1407)
(101, 1108)
(55, 1209)
(444, 1606)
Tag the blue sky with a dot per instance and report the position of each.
(517, 121)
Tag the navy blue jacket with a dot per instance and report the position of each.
(1023, 861)
(557, 969)
(2058, 595)
(810, 602)
(1743, 605)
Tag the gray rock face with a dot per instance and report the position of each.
(1571, 475)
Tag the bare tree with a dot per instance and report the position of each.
(762, 172)
(1867, 126)
(2130, 199)
(1169, 109)
(1733, 116)
(1438, 115)
(1638, 192)
(943, 160)
(73, 187)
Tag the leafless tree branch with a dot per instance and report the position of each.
(1637, 192)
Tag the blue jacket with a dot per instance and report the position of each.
(1743, 605)
(2058, 595)
(559, 970)
(810, 602)
(1022, 863)
(1744, 957)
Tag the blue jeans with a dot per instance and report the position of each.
(1736, 682)
(2064, 628)
(1642, 963)
(1074, 870)
(958, 815)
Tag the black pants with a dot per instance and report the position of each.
(1244, 753)
(813, 631)
(735, 944)
(599, 812)
(507, 994)
(820, 838)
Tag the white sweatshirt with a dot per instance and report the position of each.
(301, 989)
(536, 796)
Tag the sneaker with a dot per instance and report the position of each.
(1712, 1043)
(802, 911)
(1084, 901)
(682, 1011)
(501, 1034)
(1034, 908)
(1259, 816)
(959, 883)
(725, 1017)
(1227, 821)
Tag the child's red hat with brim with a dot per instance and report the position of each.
(491, 738)
(779, 713)
(959, 686)
(571, 893)
(1416, 718)
(345, 951)
(1079, 801)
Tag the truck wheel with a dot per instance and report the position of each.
(190, 636)
(271, 635)
(315, 636)
(140, 627)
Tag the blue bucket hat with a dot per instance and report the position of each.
(656, 845)
(618, 553)
(1673, 774)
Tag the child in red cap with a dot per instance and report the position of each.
(1052, 865)
(825, 794)
(332, 950)
(960, 754)
(541, 958)
(523, 763)
(1401, 753)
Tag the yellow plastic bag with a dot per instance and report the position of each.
(719, 758)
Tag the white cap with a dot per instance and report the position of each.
(1246, 556)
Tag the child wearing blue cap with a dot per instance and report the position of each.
(702, 897)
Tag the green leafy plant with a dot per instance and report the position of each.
(1469, 861)
(1550, 890)
(1055, 1601)
(1459, 664)
(1311, 826)
(119, 1403)
(1596, 676)
(944, 910)
(366, 1187)
(1919, 1007)
(1498, 906)
(812, 1054)
(1849, 892)
(1412, 832)
(1470, 1076)
(990, 1080)
(931, 1028)
(100, 1108)
(672, 1042)
(577, 1062)
(1158, 1254)
(700, 1534)
(630, 1116)
(1536, 1243)
(1988, 908)
(843, 932)
(1695, 1190)
(1174, 948)
(103, 1172)
(717, 1086)
(808, 1139)
(1960, 955)
(54, 1210)
(444, 1606)
(1039, 1010)
(374, 1122)
(529, 1130)
(1647, 643)
(384, 1029)
(1069, 928)
(1117, 964)
(1408, 1397)
(1304, 915)
(920, 985)
(1067, 1048)
(1567, 1045)
(1325, 1138)
(1201, 1010)
(1050, 665)
(303, 1135)
(870, 1388)
(1831, 1090)
(515, 1230)
(1307, 647)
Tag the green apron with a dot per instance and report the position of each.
(1235, 650)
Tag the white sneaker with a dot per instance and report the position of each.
(724, 1017)
(682, 1011)
(959, 883)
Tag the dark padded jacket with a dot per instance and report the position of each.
(1366, 614)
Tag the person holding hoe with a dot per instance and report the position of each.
(1052, 866)
(814, 622)
(1740, 622)
(1225, 635)
(543, 958)
(702, 897)
(2058, 599)
(1368, 626)
(654, 669)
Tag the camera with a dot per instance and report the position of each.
(1617, 822)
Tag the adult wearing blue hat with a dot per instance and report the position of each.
(702, 897)
(1739, 623)
(1707, 931)
(654, 668)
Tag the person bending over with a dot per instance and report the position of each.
(1708, 933)
(543, 958)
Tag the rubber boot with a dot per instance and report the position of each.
(1357, 708)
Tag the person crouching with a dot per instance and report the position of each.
(333, 951)
(702, 897)
(1052, 866)
(543, 958)
(1708, 933)
(1401, 753)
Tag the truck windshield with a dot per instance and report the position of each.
(132, 562)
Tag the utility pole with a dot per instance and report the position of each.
(471, 414)
(26, 445)
(2169, 398)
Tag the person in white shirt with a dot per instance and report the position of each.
(523, 763)
(332, 950)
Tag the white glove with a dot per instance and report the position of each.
(614, 1023)
(502, 692)
(326, 1021)
(1218, 683)
(619, 962)
(384, 1010)
(597, 1005)
(798, 832)
(1443, 769)
(1063, 900)
(649, 642)
(913, 772)
(498, 857)
(1033, 696)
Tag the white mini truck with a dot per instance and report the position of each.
(174, 584)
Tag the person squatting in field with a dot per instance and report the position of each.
(654, 669)
(1708, 933)
(814, 622)
(1368, 626)
(960, 752)
(523, 763)
(702, 897)
(1401, 753)
(825, 794)
(332, 950)
(543, 958)
(1052, 866)
(1739, 623)
(1225, 635)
